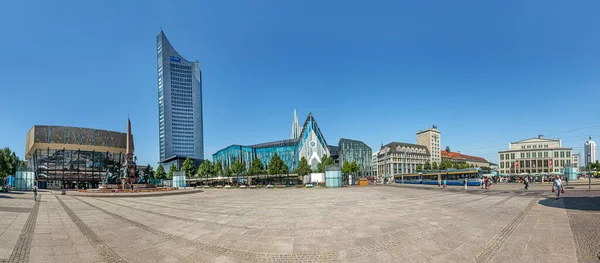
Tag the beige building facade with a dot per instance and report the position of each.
(575, 160)
(535, 156)
(431, 139)
(401, 158)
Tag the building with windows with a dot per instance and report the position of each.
(457, 157)
(575, 160)
(431, 138)
(179, 105)
(590, 152)
(358, 151)
(69, 157)
(401, 158)
(374, 163)
(310, 144)
(535, 155)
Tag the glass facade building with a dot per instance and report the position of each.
(310, 144)
(353, 150)
(179, 104)
(69, 157)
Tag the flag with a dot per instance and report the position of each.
(549, 162)
(516, 163)
(533, 163)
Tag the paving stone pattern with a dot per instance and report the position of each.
(104, 250)
(21, 250)
(355, 224)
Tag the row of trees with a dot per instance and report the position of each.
(595, 166)
(9, 161)
(444, 165)
(276, 167)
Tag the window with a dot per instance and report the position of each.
(512, 156)
(522, 155)
(555, 154)
(528, 146)
(568, 154)
(528, 155)
(546, 146)
(535, 147)
(545, 154)
(540, 154)
(562, 154)
(501, 156)
(501, 164)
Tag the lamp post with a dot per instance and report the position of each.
(589, 171)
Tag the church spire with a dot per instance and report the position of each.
(295, 127)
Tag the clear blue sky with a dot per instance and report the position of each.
(486, 72)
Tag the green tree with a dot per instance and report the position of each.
(419, 168)
(172, 169)
(217, 169)
(238, 168)
(256, 167)
(277, 166)
(227, 172)
(188, 167)
(149, 171)
(427, 166)
(160, 172)
(325, 161)
(9, 161)
(205, 169)
(441, 166)
(303, 168)
(434, 166)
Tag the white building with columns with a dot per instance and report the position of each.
(534, 156)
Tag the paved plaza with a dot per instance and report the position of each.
(350, 224)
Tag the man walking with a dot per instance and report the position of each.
(526, 182)
(466, 181)
(35, 192)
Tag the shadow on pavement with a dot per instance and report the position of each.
(574, 203)
(5, 196)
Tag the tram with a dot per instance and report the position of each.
(453, 177)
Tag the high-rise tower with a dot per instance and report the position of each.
(431, 139)
(295, 127)
(590, 152)
(179, 104)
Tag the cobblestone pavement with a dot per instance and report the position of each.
(356, 224)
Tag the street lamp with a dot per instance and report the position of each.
(589, 171)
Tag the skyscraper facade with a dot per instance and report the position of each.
(590, 152)
(430, 138)
(179, 104)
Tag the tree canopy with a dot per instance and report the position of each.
(160, 172)
(427, 165)
(172, 169)
(303, 168)
(238, 167)
(9, 162)
(277, 166)
(217, 169)
(325, 161)
(205, 168)
(350, 167)
(149, 171)
(188, 167)
(256, 167)
(434, 166)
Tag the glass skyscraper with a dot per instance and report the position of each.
(179, 104)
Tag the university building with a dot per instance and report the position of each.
(306, 141)
(401, 158)
(535, 155)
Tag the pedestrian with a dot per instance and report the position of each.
(132, 188)
(439, 181)
(35, 192)
(526, 183)
(557, 186)
(466, 182)
(567, 180)
(445, 184)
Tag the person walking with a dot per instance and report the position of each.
(35, 192)
(444, 182)
(567, 180)
(439, 181)
(526, 183)
(557, 186)
(466, 180)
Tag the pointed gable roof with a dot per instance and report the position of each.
(310, 119)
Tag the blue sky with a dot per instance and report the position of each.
(485, 72)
